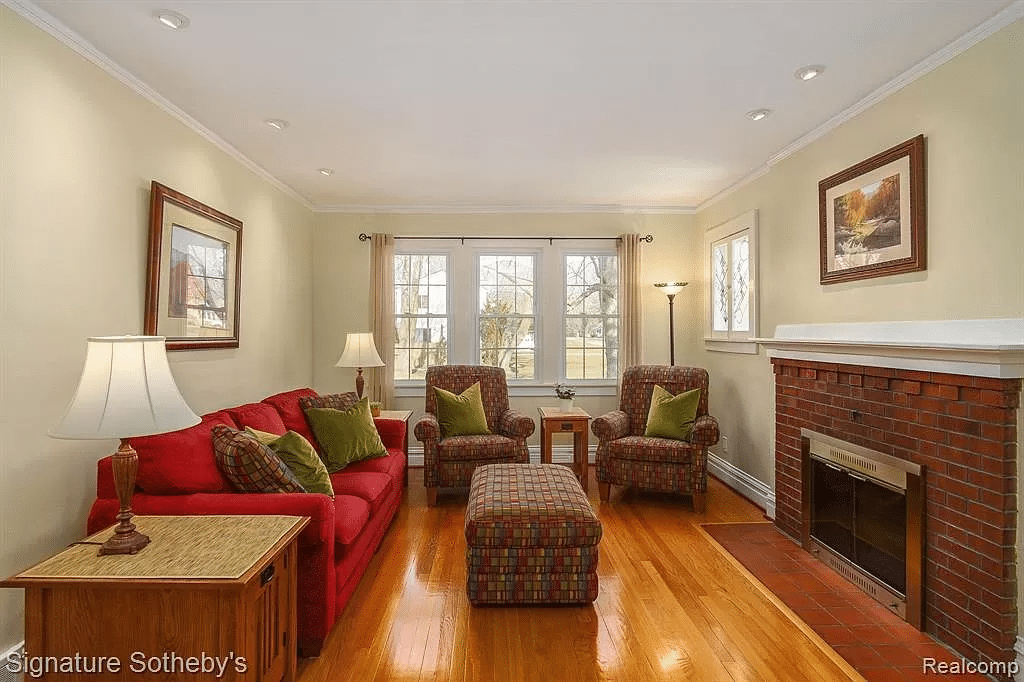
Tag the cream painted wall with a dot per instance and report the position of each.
(970, 111)
(77, 154)
(341, 260)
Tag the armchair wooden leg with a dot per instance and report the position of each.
(431, 497)
(700, 502)
(604, 490)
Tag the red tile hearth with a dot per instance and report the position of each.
(876, 642)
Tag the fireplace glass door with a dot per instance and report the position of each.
(862, 521)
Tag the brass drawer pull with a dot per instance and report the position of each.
(567, 426)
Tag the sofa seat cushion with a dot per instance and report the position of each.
(648, 449)
(350, 515)
(258, 416)
(366, 485)
(476, 448)
(182, 462)
(287, 405)
(392, 464)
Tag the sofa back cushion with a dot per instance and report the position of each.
(181, 462)
(259, 416)
(287, 405)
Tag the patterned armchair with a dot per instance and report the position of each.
(449, 463)
(626, 457)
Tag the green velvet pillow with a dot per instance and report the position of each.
(345, 436)
(298, 455)
(672, 416)
(463, 414)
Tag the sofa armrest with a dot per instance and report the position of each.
(319, 508)
(427, 429)
(515, 424)
(611, 425)
(392, 432)
(705, 431)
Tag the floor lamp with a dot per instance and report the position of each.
(126, 390)
(671, 289)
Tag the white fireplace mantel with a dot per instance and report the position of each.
(988, 348)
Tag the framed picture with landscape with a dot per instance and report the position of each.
(872, 216)
(193, 280)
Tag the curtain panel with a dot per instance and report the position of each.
(381, 380)
(630, 309)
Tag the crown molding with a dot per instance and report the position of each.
(54, 27)
(450, 209)
(993, 25)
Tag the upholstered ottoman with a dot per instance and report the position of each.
(531, 536)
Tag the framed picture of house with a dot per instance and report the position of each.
(193, 281)
(872, 216)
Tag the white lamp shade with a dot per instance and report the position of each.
(671, 288)
(360, 351)
(126, 390)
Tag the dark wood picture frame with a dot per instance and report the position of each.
(171, 287)
(887, 243)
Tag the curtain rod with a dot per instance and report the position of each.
(363, 237)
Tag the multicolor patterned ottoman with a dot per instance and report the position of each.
(531, 536)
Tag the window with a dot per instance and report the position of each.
(545, 313)
(732, 277)
(591, 317)
(508, 317)
(421, 314)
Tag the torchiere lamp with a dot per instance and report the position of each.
(671, 289)
(126, 390)
(360, 351)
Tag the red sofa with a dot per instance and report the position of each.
(178, 476)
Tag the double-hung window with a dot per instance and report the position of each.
(544, 311)
(732, 285)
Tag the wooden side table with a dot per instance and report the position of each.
(207, 591)
(576, 422)
(404, 416)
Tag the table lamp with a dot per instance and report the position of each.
(126, 390)
(360, 351)
(671, 289)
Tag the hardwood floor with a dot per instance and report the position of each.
(672, 606)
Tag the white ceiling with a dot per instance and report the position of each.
(582, 103)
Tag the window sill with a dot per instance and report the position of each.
(723, 346)
(410, 390)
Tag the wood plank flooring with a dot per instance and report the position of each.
(672, 606)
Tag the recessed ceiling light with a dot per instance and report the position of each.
(758, 114)
(171, 19)
(277, 123)
(809, 72)
(326, 171)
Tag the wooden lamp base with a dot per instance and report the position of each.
(126, 539)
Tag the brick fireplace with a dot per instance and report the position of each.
(946, 416)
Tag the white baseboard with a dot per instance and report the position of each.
(754, 490)
(6, 675)
(560, 454)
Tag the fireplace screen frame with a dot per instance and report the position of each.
(888, 472)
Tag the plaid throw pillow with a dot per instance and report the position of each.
(334, 401)
(250, 466)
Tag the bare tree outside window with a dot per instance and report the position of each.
(508, 313)
(591, 317)
(421, 314)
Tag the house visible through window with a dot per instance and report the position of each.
(543, 313)
(732, 273)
